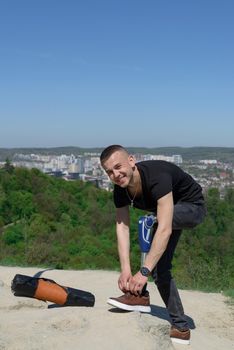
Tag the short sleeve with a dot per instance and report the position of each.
(162, 186)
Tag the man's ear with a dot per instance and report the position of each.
(131, 160)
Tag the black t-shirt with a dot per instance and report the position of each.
(158, 178)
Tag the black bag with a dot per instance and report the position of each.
(48, 290)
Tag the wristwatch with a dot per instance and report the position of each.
(145, 271)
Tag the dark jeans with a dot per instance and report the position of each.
(186, 215)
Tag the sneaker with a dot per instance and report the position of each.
(180, 336)
(131, 302)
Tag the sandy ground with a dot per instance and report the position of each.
(30, 324)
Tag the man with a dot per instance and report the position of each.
(177, 201)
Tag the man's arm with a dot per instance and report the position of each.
(122, 231)
(159, 244)
(164, 217)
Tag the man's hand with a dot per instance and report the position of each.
(123, 281)
(137, 283)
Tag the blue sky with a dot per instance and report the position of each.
(91, 73)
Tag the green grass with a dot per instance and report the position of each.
(230, 294)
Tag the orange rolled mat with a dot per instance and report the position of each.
(50, 292)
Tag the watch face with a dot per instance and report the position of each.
(144, 271)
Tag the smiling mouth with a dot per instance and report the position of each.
(121, 180)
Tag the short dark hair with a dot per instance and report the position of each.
(107, 152)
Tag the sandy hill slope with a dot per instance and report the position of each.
(30, 324)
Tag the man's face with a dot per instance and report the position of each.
(119, 167)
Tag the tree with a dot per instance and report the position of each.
(8, 166)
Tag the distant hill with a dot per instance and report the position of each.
(224, 154)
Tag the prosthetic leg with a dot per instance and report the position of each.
(146, 230)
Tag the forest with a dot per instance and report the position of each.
(50, 222)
